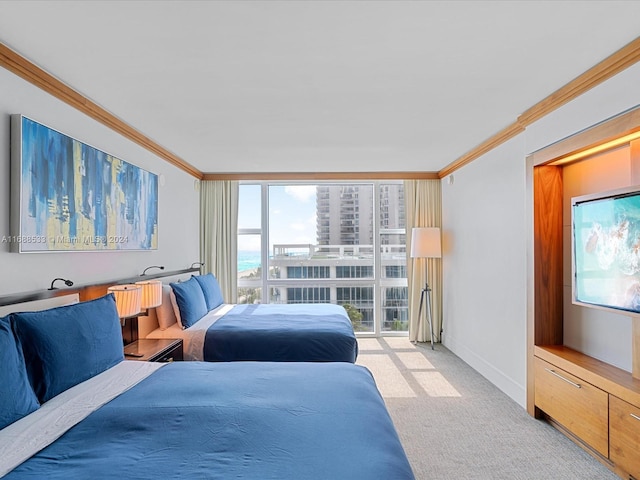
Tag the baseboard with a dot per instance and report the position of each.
(510, 387)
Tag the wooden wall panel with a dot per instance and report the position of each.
(547, 225)
(635, 347)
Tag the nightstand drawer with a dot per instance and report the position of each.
(624, 434)
(578, 406)
(172, 355)
(154, 350)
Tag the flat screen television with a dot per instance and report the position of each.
(606, 250)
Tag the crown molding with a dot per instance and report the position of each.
(323, 176)
(35, 75)
(610, 66)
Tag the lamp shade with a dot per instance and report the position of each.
(128, 299)
(425, 242)
(151, 293)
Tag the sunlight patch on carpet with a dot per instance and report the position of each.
(415, 361)
(399, 343)
(435, 385)
(389, 379)
(369, 344)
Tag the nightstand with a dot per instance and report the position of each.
(154, 350)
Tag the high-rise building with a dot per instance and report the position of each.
(344, 214)
(392, 214)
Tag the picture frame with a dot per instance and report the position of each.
(68, 196)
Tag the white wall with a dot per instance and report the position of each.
(484, 297)
(484, 269)
(178, 223)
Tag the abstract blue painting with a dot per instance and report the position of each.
(74, 197)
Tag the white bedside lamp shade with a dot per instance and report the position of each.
(151, 293)
(425, 242)
(128, 299)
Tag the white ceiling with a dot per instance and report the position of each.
(306, 86)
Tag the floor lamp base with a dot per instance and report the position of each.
(426, 294)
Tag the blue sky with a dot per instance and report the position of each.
(292, 214)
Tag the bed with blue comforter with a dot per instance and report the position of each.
(218, 332)
(284, 333)
(87, 414)
(233, 420)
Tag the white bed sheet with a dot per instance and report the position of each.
(26, 437)
(193, 337)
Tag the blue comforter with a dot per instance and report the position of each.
(318, 332)
(242, 420)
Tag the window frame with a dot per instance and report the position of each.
(378, 282)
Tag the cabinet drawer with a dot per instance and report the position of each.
(624, 434)
(173, 355)
(578, 406)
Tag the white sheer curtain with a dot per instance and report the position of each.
(219, 234)
(423, 206)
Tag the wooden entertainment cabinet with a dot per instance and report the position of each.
(594, 403)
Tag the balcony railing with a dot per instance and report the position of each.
(318, 252)
(316, 273)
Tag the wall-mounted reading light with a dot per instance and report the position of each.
(144, 272)
(68, 283)
(199, 265)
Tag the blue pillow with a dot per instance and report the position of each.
(190, 301)
(67, 345)
(211, 290)
(17, 398)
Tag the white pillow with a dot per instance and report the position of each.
(175, 308)
(166, 312)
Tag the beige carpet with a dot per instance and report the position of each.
(454, 424)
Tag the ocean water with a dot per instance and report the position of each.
(248, 260)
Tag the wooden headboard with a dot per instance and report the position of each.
(43, 299)
(87, 291)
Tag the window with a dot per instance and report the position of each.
(354, 271)
(308, 272)
(395, 271)
(250, 244)
(308, 295)
(362, 299)
(332, 242)
(395, 309)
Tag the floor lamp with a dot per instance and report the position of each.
(425, 243)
